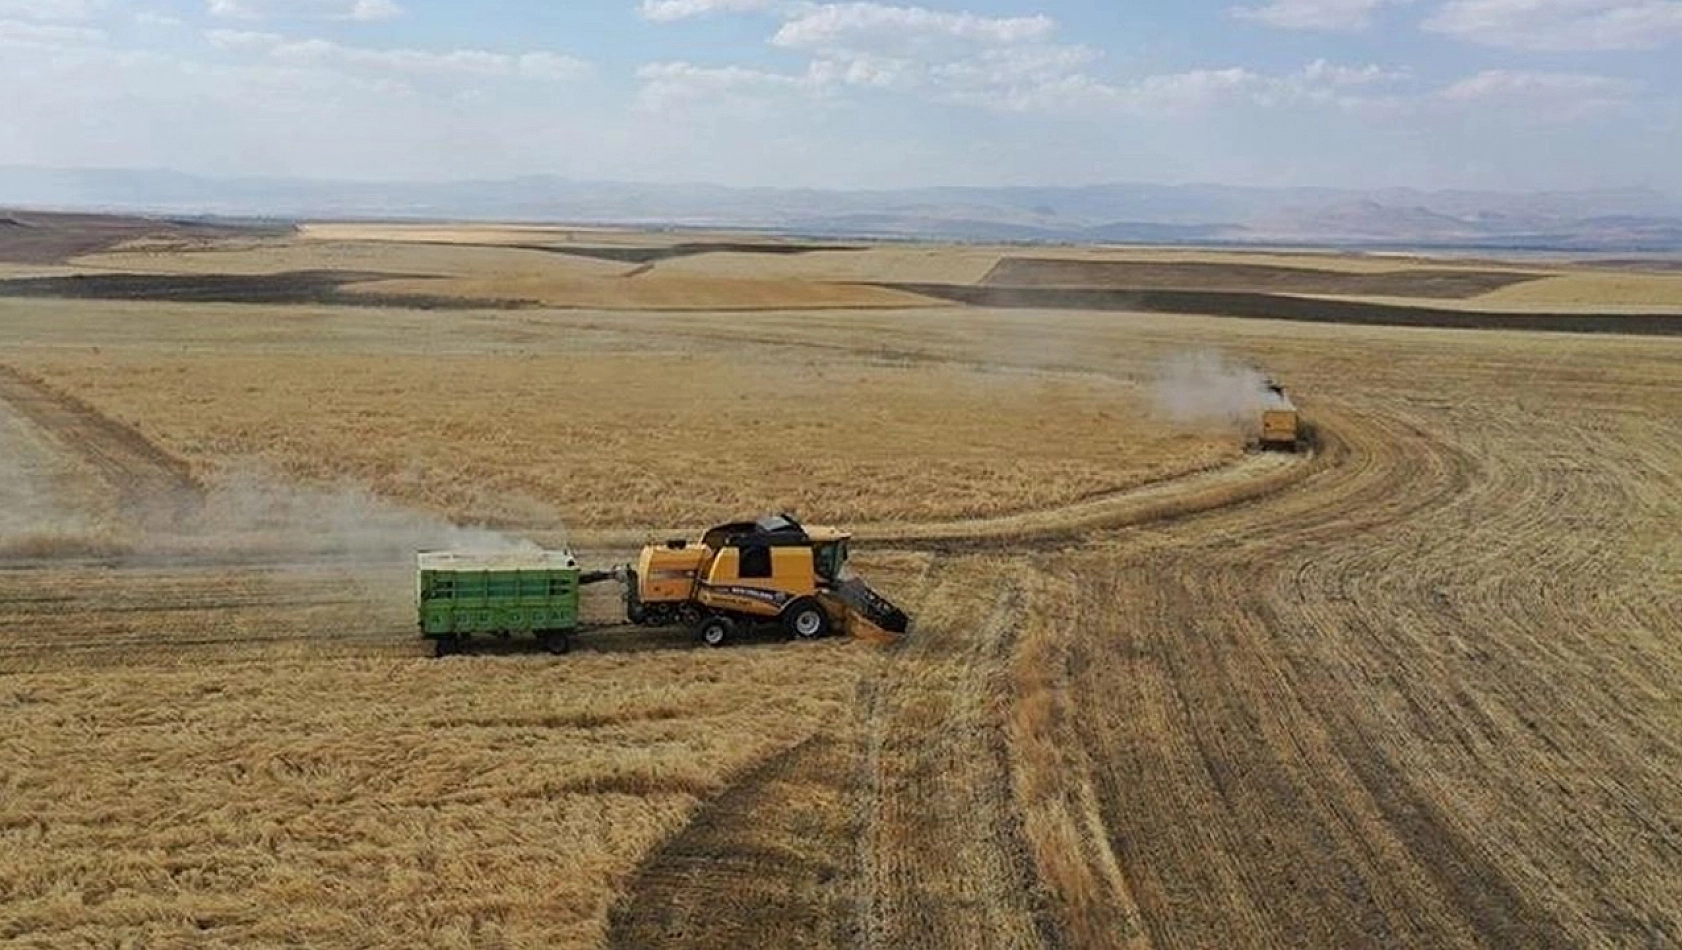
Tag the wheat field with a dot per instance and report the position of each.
(1415, 687)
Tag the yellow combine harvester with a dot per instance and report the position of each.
(770, 570)
(752, 572)
(1281, 426)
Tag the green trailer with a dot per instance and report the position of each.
(528, 593)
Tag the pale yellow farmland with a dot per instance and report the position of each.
(1415, 686)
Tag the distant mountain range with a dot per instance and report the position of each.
(1627, 220)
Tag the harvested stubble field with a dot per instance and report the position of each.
(1417, 688)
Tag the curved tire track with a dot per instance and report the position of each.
(1388, 706)
(1252, 476)
(898, 829)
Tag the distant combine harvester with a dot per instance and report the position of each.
(1281, 428)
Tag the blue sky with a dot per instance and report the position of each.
(1511, 94)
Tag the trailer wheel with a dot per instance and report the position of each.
(716, 630)
(806, 619)
(556, 643)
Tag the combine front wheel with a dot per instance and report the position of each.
(716, 631)
(806, 619)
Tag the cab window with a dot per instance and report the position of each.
(830, 558)
(756, 562)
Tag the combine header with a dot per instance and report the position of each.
(736, 575)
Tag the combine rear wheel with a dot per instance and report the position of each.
(446, 646)
(716, 631)
(555, 642)
(806, 619)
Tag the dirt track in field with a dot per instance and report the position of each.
(909, 806)
(1252, 476)
(136, 472)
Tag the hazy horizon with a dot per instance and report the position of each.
(915, 186)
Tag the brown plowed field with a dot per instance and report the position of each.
(1423, 282)
(1267, 306)
(30, 237)
(1416, 688)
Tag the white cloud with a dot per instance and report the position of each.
(858, 121)
(1320, 83)
(1332, 16)
(1037, 79)
(243, 39)
(50, 10)
(950, 57)
(877, 27)
(1160, 95)
(1331, 74)
(665, 11)
(1542, 98)
(329, 9)
(681, 86)
(17, 33)
(1562, 24)
(1003, 64)
(540, 65)
(546, 65)
(152, 18)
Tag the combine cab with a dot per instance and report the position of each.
(771, 570)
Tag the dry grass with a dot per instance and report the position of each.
(1417, 690)
(451, 233)
(473, 803)
(1597, 289)
(1570, 291)
(1383, 659)
(890, 264)
(619, 440)
(1419, 699)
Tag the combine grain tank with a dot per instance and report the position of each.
(531, 593)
